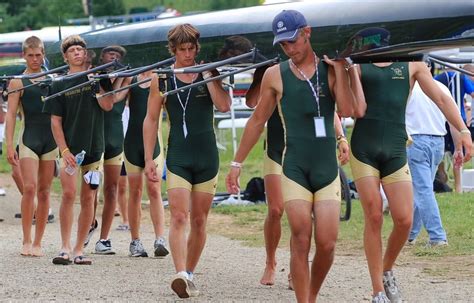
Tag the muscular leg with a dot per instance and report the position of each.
(45, 177)
(122, 199)
(66, 210)
(200, 205)
(326, 228)
(111, 179)
(368, 189)
(299, 217)
(272, 226)
(157, 212)
(16, 175)
(85, 216)
(29, 170)
(400, 197)
(134, 203)
(179, 199)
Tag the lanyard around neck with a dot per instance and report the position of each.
(183, 105)
(311, 86)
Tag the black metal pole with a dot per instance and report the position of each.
(274, 60)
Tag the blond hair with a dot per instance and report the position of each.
(32, 42)
(180, 34)
(70, 41)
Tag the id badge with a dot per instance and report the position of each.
(319, 127)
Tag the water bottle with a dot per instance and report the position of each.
(79, 158)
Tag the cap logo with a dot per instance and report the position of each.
(281, 27)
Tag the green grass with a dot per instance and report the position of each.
(457, 211)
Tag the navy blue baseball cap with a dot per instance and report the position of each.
(286, 25)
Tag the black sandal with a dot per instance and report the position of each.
(62, 259)
(81, 260)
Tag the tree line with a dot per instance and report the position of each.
(18, 15)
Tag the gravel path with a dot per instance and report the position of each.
(228, 271)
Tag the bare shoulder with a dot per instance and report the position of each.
(15, 83)
(272, 77)
(416, 66)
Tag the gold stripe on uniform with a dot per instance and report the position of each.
(293, 191)
(133, 169)
(174, 181)
(401, 175)
(361, 169)
(207, 186)
(330, 192)
(26, 152)
(270, 167)
(117, 160)
(97, 166)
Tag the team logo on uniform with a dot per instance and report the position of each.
(398, 73)
(201, 91)
(320, 89)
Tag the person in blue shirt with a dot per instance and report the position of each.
(449, 79)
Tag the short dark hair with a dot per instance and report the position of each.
(114, 48)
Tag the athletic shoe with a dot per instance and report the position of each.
(91, 232)
(2, 192)
(438, 243)
(50, 218)
(136, 249)
(411, 242)
(183, 287)
(391, 287)
(380, 298)
(193, 291)
(160, 248)
(104, 247)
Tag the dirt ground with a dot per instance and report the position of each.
(228, 271)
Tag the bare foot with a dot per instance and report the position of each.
(36, 251)
(268, 277)
(26, 250)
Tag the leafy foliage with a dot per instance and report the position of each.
(18, 15)
(21, 15)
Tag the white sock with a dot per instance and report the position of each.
(183, 273)
(190, 275)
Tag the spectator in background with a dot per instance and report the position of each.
(425, 123)
(449, 79)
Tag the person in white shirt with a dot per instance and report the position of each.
(425, 123)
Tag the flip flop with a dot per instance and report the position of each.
(81, 260)
(62, 259)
